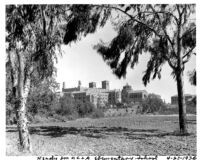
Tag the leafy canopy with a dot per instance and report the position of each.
(165, 31)
(84, 19)
(34, 33)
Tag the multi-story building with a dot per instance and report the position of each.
(98, 96)
(102, 96)
(152, 95)
(188, 97)
(137, 96)
(125, 93)
(114, 96)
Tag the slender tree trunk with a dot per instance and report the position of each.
(22, 124)
(22, 94)
(179, 78)
(181, 104)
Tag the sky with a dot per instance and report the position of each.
(81, 62)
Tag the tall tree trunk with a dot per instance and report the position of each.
(22, 94)
(179, 78)
(24, 137)
(181, 104)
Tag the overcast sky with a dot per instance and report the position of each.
(82, 62)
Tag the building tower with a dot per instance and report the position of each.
(79, 84)
(125, 92)
(92, 85)
(105, 85)
(63, 85)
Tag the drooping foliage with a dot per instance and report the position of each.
(127, 42)
(33, 31)
(34, 34)
(153, 29)
(84, 19)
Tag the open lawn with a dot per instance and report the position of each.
(133, 135)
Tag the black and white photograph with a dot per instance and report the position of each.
(100, 79)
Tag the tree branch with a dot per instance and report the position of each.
(194, 29)
(178, 9)
(191, 49)
(162, 12)
(170, 64)
(165, 32)
(133, 18)
(184, 9)
(44, 20)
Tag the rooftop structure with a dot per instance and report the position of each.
(105, 85)
(92, 85)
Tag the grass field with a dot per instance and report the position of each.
(133, 135)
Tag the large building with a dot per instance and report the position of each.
(152, 95)
(103, 96)
(188, 97)
(98, 96)
(125, 93)
(135, 96)
(114, 96)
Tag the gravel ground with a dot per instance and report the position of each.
(136, 135)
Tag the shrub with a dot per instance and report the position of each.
(42, 97)
(84, 108)
(10, 114)
(97, 113)
(175, 110)
(152, 105)
(75, 108)
(67, 106)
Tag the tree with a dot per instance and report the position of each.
(42, 96)
(34, 35)
(67, 106)
(152, 104)
(84, 108)
(167, 32)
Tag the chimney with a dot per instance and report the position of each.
(79, 84)
(63, 85)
